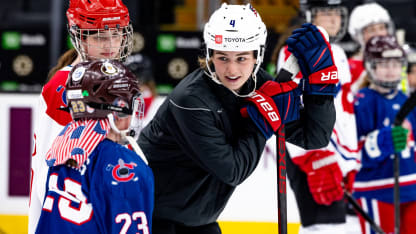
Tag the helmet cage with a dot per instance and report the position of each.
(380, 50)
(102, 17)
(311, 13)
(371, 67)
(137, 115)
(105, 38)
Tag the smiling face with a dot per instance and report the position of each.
(233, 68)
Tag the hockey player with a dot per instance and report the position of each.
(376, 108)
(199, 145)
(107, 34)
(366, 20)
(333, 17)
(319, 190)
(141, 66)
(94, 184)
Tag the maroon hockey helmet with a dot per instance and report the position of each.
(97, 88)
(378, 50)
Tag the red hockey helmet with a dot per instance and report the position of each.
(378, 51)
(97, 88)
(103, 19)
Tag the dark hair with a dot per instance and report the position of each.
(67, 58)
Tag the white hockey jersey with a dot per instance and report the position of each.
(49, 121)
(343, 141)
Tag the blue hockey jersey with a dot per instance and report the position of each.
(113, 192)
(375, 179)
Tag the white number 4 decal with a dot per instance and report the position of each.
(126, 217)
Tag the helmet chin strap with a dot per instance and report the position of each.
(126, 138)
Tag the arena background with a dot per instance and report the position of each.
(33, 35)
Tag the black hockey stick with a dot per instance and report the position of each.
(407, 107)
(360, 210)
(283, 76)
(288, 72)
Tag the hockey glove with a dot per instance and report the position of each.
(382, 143)
(315, 60)
(349, 181)
(271, 104)
(323, 175)
(399, 135)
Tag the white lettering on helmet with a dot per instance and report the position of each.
(392, 53)
(111, 18)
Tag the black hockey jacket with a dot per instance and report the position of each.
(200, 148)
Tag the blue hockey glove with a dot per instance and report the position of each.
(381, 143)
(315, 59)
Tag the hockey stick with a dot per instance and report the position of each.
(407, 107)
(288, 72)
(359, 210)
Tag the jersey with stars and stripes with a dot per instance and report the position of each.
(112, 192)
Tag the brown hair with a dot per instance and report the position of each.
(67, 58)
(202, 63)
(366, 82)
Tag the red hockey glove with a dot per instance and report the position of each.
(324, 176)
(349, 181)
(271, 104)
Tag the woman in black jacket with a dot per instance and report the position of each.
(199, 145)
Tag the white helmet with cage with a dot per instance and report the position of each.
(365, 15)
(235, 28)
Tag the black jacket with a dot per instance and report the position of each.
(200, 148)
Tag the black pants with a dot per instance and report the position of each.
(161, 226)
(311, 212)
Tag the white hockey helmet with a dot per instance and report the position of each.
(235, 28)
(365, 15)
